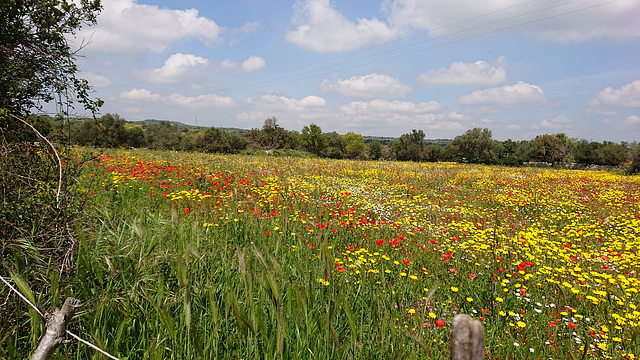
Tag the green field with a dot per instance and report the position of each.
(202, 256)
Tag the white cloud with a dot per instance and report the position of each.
(459, 73)
(519, 93)
(559, 122)
(632, 120)
(95, 80)
(253, 63)
(284, 103)
(139, 95)
(319, 27)
(126, 27)
(176, 68)
(513, 127)
(628, 96)
(383, 106)
(614, 20)
(457, 115)
(367, 86)
(201, 101)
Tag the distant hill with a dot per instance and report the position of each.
(184, 126)
(385, 140)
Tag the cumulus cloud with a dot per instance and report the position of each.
(252, 63)
(319, 27)
(513, 127)
(559, 122)
(289, 104)
(124, 26)
(367, 86)
(139, 96)
(632, 120)
(201, 101)
(614, 20)
(519, 93)
(627, 96)
(176, 68)
(459, 73)
(383, 106)
(95, 80)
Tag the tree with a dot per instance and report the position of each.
(335, 148)
(375, 150)
(475, 146)
(37, 63)
(634, 167)
(312, 139)
(549, 148)
(354, 145)
(163, 136)
(409, 147)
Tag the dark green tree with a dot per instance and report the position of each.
(335, 148)
(375, 150)
(549, 148)
(163, 136)
(475, 146)
(354, 145)
(312, 139)
(409, 147)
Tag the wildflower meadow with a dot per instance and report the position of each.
(247, 257)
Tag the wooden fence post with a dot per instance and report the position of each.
(55, 329)
(467, 338)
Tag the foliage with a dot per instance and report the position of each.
(475, 146)
(374, 150)
(37, 63)
(549, 148)
(272, 136)
(336, 146)
(409, 147)
(354, 145)
(634, 166)
(312, 139)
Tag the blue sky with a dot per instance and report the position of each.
(376, 67)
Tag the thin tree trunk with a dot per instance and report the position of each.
(56, 329)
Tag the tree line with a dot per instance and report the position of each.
(474, 146)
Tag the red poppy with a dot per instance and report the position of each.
(572, 325)
(471, 276)
(406, 262)
(380, 242)
(187, 210)
(440, 323)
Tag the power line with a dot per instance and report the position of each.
(325, 70)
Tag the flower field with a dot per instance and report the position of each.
(201, 256)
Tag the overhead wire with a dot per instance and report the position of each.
(325, 70)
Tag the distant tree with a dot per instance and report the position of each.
(272, 136)
(312, 139)
(549, 148)
(433, 153)
(111, 131)
(586, 152)
(613, 154)
(163, 136)
(475, 146)
(634, 166)
(354, 145)
(336, 147)
(134, 135)
(375, 150)
(409, 147)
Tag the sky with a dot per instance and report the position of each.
(375, 67)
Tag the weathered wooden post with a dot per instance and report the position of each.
(467, 338)
(55, 329)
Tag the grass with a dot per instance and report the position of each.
(198, 256)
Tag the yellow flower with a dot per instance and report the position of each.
(454, 289)
(411, 311)
(432, 315)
